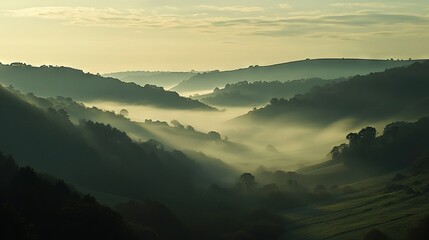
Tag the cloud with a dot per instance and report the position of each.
(105, 17)
(360, 5)
(243, 9)
(291, 25)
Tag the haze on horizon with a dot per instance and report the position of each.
(107, 36)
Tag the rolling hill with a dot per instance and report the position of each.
(51, 81)
(259, 93)
(172, 135)
(95, 156)
(317, 68)
(162, 79)
(397, 92)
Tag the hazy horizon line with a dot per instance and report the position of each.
(214, 69)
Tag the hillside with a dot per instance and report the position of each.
(259, 93)
(96, 156)
(317, 68)
(398, 92)
(35, 207)
(172, 135)
(161, 79)
(390, 196)
(38, 206)
(394, 209)
(101, 159)
(67, 82)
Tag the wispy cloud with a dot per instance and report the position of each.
(243, 9)
(360, 5)
(107, 17)
(294, 24)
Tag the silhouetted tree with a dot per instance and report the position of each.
(124, 112)
(214, 135)
(247, 180)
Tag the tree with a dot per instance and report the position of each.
(214, 135)
(367, 135)
(247, 180)
(124, 112)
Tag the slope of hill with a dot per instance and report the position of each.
(95, 156)
(317, 68)
(32, 207)
(389, 197)
(36, 206)
(259, 93)
(394, 209)
(68, 82)
(172, 135)
(162, 79)
(398, 92)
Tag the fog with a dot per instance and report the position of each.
(291, 146)
(201, 120)
(226, 174)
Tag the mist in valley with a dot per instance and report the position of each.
(246, 120)
(227, 173)
(290, 146)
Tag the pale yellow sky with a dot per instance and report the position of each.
(107, 36)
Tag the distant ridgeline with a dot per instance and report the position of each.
(162, 79)
(317, 68)
(68, 82)
(397, 92)
(260, 93)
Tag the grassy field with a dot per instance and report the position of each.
(392, 206)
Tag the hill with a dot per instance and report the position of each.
(105, 160)
(397, 92)
(317, 68)
(37, 206)
(389, 197)
(259, 93)
(163, 79)
(172, 135)
(96, 156)
(68, 82)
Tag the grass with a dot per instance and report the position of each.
(372, 206)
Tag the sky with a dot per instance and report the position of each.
(102, 36)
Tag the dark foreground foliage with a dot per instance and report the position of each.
(37, 207)
(402, 145)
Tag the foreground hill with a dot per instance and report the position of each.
(95, 156)
(379, 207)
(68, 82)
(259, 93)
(162, 79)
(375, 185)
(36, 206)
(317, 68)
(398, 92)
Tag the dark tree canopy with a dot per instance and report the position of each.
(401, 145)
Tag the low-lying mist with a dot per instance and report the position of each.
(202, 120)
(245, 145)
